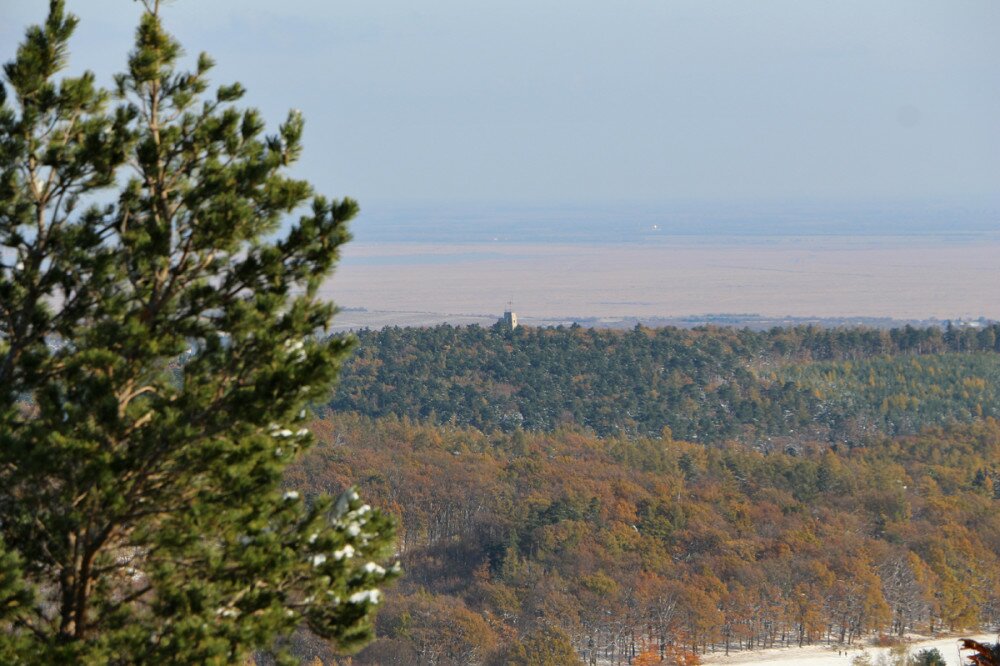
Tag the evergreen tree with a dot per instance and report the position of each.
(930, 657)
(157, 348)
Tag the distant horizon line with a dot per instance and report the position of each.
(977, 201)
(423, 319)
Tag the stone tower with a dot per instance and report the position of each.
(510, 317)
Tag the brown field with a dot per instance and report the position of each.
(902, 278)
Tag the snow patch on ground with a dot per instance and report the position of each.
(823, 655)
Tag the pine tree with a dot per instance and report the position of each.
(159, 340)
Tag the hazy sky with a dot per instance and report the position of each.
(540, 101)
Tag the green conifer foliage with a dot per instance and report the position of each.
(157, 348)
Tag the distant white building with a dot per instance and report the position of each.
(510, 319)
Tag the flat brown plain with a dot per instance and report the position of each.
(903, 278)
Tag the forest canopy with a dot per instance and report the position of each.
(664, 492)
(783, 386)
(624, 544)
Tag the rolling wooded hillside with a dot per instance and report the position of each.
(612, 546)
(782, 388)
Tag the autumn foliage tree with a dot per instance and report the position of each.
(157, 349)
(626, 544)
